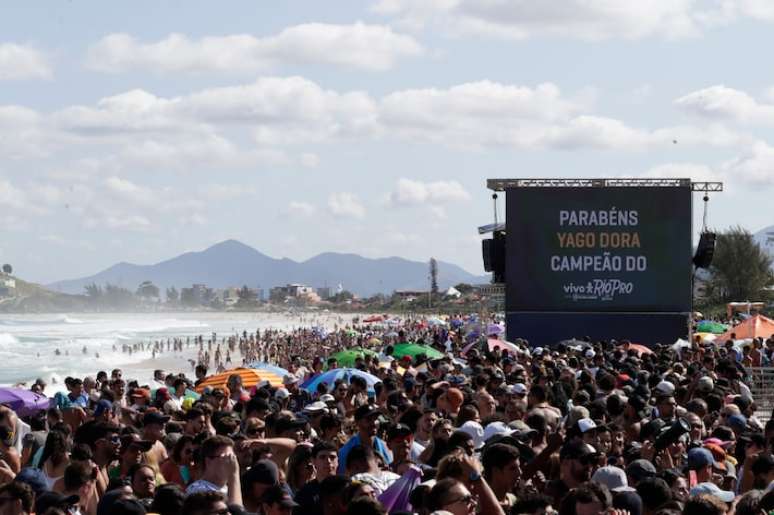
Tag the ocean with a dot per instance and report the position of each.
(28, 343)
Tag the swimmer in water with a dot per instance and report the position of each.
(58, 352)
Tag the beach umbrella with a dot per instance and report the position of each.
(708, 326)
(494, 329)
(260, 365)
(331, 376)
(641, 349)
(494, 343)
(23, 402)
(250, 377)
(413, 350)
(435, 321)
(346, 358)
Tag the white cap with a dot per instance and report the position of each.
(537, 351)
(475, 430)
(315, 406)
(497, 428)
(281, 394)
(518, 389)
(705, 384)
(326, 397)
(665, 388)
(613, 478)
(586, 424)
(590, 353)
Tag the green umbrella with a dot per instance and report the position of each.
(708, 326)
(413, 350)
(346, 358)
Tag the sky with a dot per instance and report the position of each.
(137, 131)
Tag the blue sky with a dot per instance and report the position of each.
(141, 131)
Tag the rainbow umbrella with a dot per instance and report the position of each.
(250, 377)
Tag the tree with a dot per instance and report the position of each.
(148, 289)
(433, 276)
(740, 269)
(7, 269)
(188, 297)
(172, 295)
(342, 296)
(93, 291)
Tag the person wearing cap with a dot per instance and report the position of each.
(153, 423)
(576, 463)
(400, 440)
(132, 451)
(701, 461)
(298, 396)
(262, 475)
(367, 425)
(711, 489)
(221, 469)
(277, 501)
(56, 500)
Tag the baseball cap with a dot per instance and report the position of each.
(614, 478)
(127, 440)
(475, 430)
(665, 388)
(585, 425)
(34, 478)
(738, 422)
(264, 472)
(640, 469)
(714, 490)
(699, 457)
(315, 407)
(281, 394)
(55, 500)
(128, 506)
(590, 353)
(399, 431)
(141, 393)
(326, 397)
(577, 450)
(102, 406)
(497, 429)
(365, 411)
(286, 423)
(278, 495)
(518, 389)
(705, 384)
(154, 417)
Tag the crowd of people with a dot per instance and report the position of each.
(581, 427)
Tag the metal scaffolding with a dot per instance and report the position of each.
(503, 184)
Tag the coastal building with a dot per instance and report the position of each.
(325, 292)
(7, 286)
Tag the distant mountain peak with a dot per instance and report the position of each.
(233, 263)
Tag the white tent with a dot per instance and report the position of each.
(453, 292)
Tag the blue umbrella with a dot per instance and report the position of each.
(260, 365)
(331, 376)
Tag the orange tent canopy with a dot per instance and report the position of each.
(757, 326)
(250, 377)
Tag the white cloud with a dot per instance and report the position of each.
(296, 208)
(18, 62)
(724, 103)
(412, 193)
(694, 171)
(362, 46)
(755, 165)
(345, 205)
(581, 19)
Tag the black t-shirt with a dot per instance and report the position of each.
(309, 499)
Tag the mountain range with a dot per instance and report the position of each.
(232, 263)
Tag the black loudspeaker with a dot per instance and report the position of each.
(486, 253)
(493, 252)
(705, 250)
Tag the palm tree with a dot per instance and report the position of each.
(7, 269)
